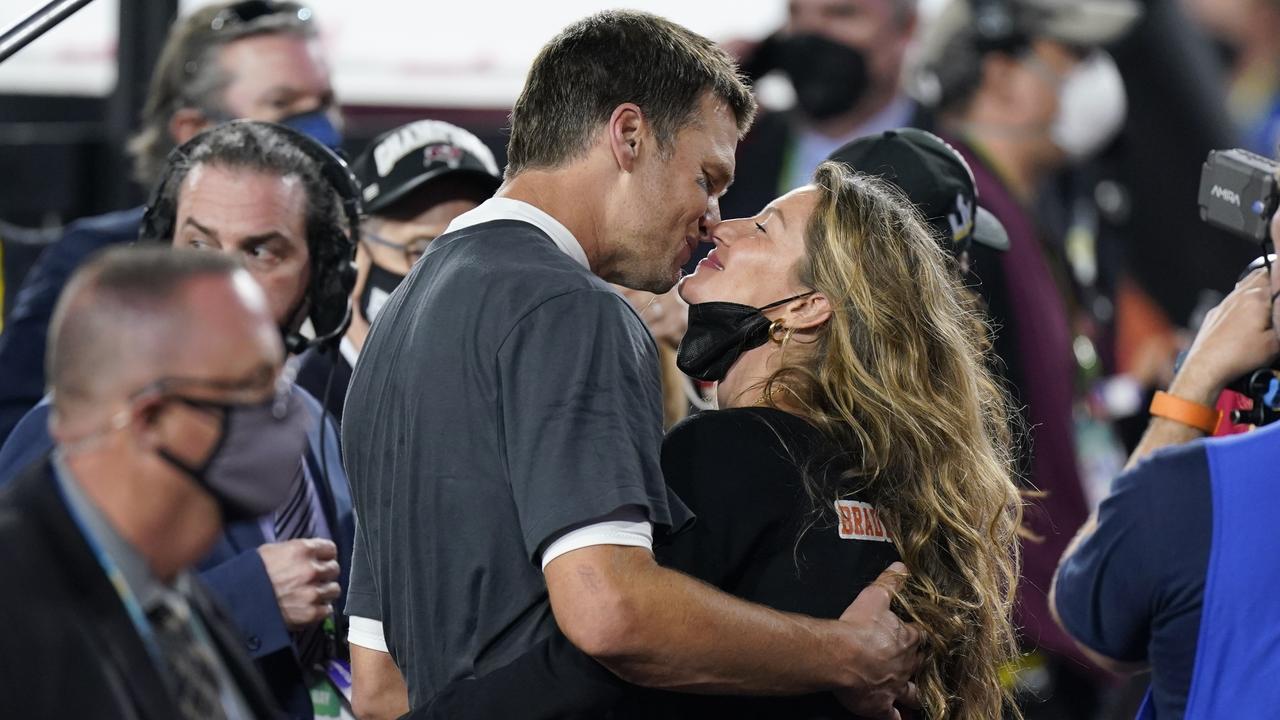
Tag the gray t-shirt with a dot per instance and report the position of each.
(505, 395)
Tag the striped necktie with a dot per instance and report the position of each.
(195, 679)
(296, 519)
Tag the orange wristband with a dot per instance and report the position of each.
(1192, 414)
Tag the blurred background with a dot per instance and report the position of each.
(69, 100)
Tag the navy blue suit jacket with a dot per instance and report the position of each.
(22, 344)
(233, 571)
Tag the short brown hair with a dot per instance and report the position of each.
(608, 59)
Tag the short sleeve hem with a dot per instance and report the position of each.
(367, 633)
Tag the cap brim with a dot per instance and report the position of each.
(1092, 22)
(989, 231)
(387, 199)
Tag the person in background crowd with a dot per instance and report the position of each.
(1246, 34)
(845, 59)
(256, 191)
(528, 463)
(1021, 95)
(1176, 572)
(164, 364)
(247, 59)
(416, 178)
(19, 249)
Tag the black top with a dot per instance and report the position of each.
(757, 536)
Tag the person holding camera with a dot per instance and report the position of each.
(1174, 572)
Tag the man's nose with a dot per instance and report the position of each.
(709, 219)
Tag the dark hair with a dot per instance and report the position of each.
(275, 150)
(114, 304)
(608, 59)
(188, 75)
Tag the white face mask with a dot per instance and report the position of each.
(1091, 107)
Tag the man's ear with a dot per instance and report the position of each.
(186, 123)
(148, 415)
(627, 126)
(807, 313)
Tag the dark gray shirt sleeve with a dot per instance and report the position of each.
(581, 416)
(362, 591)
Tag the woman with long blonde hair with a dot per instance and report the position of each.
(858, 425)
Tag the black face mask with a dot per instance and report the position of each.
(719, 333)
(829, 78)
(377, 288)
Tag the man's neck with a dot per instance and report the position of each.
(564, 196)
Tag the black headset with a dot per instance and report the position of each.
(333, 270)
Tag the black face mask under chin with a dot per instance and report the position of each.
(378, 286)
(719, 333)
(829, 78)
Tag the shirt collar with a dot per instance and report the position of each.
(501, 208)
(133, 567)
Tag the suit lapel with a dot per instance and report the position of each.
(230, 648)
(105, 616)
(244, 536)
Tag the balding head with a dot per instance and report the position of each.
(135, 314)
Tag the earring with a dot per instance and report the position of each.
(778, 333)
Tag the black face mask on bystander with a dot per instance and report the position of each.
(829, 77)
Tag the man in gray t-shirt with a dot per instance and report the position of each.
(503, 423)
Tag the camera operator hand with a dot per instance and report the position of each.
(1236, 337)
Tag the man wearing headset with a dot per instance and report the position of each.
(285, 206)
(255, 59)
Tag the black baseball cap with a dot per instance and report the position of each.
(400, 160)
(935, 177)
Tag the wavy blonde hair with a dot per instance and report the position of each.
(899, 378)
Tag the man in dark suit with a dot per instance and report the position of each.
(249, 190)
(164, 364)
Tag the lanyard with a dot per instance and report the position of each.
(127, 598)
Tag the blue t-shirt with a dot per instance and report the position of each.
(1133, 590)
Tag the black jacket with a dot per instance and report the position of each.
(69, 648)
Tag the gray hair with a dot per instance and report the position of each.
(188, 75)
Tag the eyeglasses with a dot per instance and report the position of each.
(414, 250)
(264, 385)
(249, 11)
